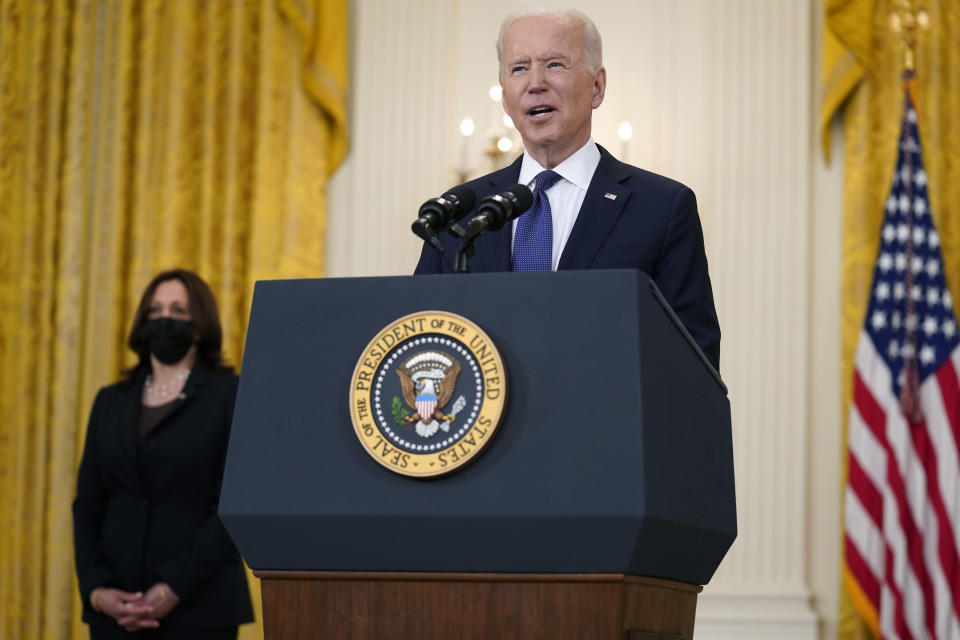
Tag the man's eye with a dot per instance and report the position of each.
(518, 69)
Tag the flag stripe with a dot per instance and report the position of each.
(939, 397)
(861, 571)
(938, 550)
(899, 604)
(939, 531)
(870, 454)
(950, 390)
(868, 496)
(936, 525)
(865, 535)
(906, 557)
(905, 534)
(872, 413)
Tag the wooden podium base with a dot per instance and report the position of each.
(431, 606)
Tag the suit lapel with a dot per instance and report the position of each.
(494, 247)
(128, 420)
(128, 416)
(601, 208)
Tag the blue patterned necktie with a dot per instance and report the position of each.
(533, 240)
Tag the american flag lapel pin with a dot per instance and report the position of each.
(610, 196)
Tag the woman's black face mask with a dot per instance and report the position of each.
(168, 339)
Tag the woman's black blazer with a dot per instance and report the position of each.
(147, 512)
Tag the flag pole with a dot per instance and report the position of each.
(906, 20)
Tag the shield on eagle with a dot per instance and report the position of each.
(426, 401)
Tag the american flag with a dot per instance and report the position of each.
(902, 500)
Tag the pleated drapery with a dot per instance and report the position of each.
(134, 137)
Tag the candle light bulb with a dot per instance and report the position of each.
(625, 132)
(467, 127)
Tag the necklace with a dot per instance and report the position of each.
(166, 391)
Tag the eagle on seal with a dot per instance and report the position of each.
(427, 396)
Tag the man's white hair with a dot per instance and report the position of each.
(592, 46)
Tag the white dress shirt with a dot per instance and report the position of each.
(566, 196)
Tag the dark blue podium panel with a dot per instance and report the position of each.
(614, 455)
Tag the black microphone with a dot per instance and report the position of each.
(438, 214)
(498, 209)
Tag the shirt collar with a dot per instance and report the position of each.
(578, 169)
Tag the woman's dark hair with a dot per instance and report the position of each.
(203, 313)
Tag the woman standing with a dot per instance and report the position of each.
(151, 554)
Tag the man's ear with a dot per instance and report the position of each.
(599, 87)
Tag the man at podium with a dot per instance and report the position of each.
(590, 211)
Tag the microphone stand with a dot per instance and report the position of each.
(427, 234)
(465, 252)
(456, 231)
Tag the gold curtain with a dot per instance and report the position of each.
(861, 82)
(137, 136)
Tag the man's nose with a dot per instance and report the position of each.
(537, 79)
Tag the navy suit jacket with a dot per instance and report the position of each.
(146, 513)
(629, 218)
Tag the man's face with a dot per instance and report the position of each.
(548, 90)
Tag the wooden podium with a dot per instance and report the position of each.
(435, 606)
(603, 502)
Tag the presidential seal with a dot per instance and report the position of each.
(428, 393)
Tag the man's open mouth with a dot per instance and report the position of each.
(540, 111)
